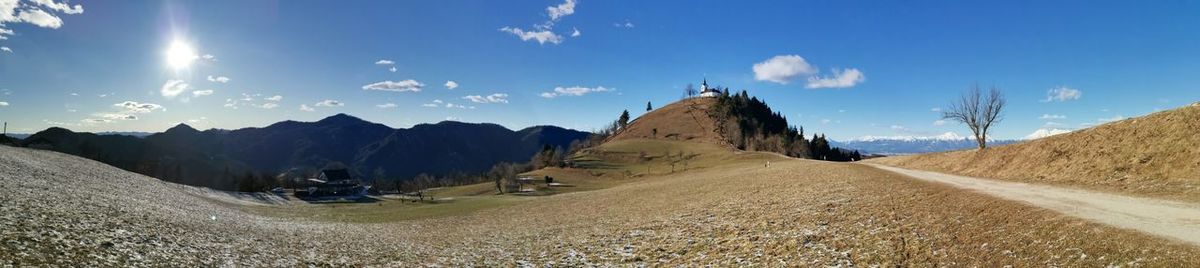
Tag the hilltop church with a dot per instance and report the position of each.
(706, 92)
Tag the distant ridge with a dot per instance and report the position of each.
(904, 145)
(210, 157)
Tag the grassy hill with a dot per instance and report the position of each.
(1156, 155)
(685, 120)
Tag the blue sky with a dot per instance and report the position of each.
(845, 68)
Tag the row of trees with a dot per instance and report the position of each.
(749, 124)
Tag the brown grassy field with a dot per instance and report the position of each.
(732, 210)
(1156, 155)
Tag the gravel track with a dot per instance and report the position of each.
(1171, 219)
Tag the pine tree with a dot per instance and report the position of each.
(623, 121)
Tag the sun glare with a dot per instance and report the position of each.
(180, 55)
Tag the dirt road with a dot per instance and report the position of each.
(1169, 219)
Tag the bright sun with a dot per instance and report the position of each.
(180, 55)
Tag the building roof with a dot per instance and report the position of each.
(336, 174)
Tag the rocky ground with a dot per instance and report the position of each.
(66, 211)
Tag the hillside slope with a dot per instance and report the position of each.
(685, 120)
(1156, 155)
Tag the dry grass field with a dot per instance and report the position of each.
(729, 209)
(1156, 155)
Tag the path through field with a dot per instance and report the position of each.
(1170, 219)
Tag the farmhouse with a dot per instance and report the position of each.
(334, 183)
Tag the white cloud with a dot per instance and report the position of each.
(437, 101)
(1061, 94)
(782, 69)
(450, 84)
(116, 116)
(218, 79)
(384, 62)
(205, 92)
(37, 16)
(269, 105)
(451, 105)
(939, 122)
(543, 33)
(386, 105)
(173, 87)
(274, 98)
(393, 69)
(3, 103)
(935, 109)
(494, 98)
(573, 91)
(1045, 132)
(306, 108)
(841, 79)
(430, 105)
(561, 10)
(541, 36)
(826, 121)
(330, 103)
(209, 57)
(60, 7)
(400, 86)
(575, 32)
(135, 107)
(6, 49)
(1052, 117)
(90, 121)
(623, 25)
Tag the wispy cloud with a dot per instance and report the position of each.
(305, 108)
(330, 103)
(136, 107)
(173, 87)
(1062, 93)
(450, 84)
(541, 36)
(218, 79)
(396, 86)
(384, 62)
(199, 93)
(544, 33)
(494, 98)
(1052, 117)
(274, 98)
(573, 91)
(386, 105)
(841, 79)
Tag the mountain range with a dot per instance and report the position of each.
(904, 145)
(208, 158)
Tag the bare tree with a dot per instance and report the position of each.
(689, 91)
(977, 111)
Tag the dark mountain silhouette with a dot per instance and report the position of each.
(214, 157)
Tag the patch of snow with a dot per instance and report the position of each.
(1045, 132)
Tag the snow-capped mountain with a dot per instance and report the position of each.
(900, 145)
